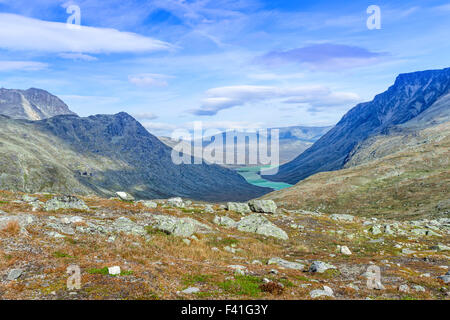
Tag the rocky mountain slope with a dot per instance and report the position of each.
(410, 96)
(176, 249)
(401, 175)
(292, 141)
(103, 154)
(31, 104)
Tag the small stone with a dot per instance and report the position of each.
(345, 250)
(440, 247)
(403, 288)
(187, 241)
(114, 271)
(418, 288)
(14, 274)
(241, 208)
(191, 290)
(375, 230)
(408, 251)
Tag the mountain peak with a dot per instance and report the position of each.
(31, 104)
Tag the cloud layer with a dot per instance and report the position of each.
(22, 33)
(326, 56)
(228, 97)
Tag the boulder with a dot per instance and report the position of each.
(258, 224)
(326, 292)
(180, 227)
(176, 202)
(286, 264)
(320, 267)
(125, 225)
(263, 206)
(14, 274)
(125, 196)
(65, 202)
(342, 217)
(149, 204)
(238, 207)
(224, 221)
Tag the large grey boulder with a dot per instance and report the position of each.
(14, 274)
(258, 224)
(180, 227)
(124, 196)
(238, 207)
(342, 217)
(224, 221)
(320, 267)
(263, 206)
(286, 264)
(125, 225)
(326, 292)
(65, 202)
(149, 204)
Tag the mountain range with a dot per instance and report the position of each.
(98, 155)
(293, 141)
(410, 97)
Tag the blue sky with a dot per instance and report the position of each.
(228, 63)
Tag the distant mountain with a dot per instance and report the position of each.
(293, 141)
(103, 154)
(411, 95)
(31, 104)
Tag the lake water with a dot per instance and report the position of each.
(251, 175)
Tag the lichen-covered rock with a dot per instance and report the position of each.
(125, 196)
(125, 225)
(65, 202)
(342, 217)
(263, 206)
(176, 202)
(286, 264)
(180, 227)
(238, 207)
(320, 267)
(258, 224)
(224, 221)
(326, 292)
(149, 204)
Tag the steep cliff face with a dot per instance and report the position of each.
(103, 154)
(31, 104)
(411, 95)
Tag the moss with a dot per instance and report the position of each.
(198, 278)
(59, 254)
(242, 285)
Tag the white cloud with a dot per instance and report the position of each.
(145, 116)
(22, 65)
(78, 56)
(149, 80)
(228, 97)
(23, 33)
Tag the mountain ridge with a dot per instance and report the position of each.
(410, 95)
(31, 104)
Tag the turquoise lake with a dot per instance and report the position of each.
(251, 175)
